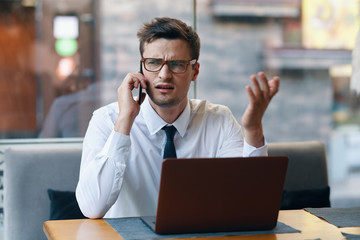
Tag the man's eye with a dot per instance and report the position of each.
(154, 62)
(177, 63)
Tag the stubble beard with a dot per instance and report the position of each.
(164, 101)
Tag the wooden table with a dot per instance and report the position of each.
(311, 227)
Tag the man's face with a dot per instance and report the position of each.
(165, 88)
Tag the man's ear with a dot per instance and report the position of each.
(196, 71)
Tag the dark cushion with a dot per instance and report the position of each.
(299, 199)
(63, 205)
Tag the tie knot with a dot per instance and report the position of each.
(170, 132)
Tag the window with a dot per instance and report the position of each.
(59, 61)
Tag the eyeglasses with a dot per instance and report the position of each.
(175, 66)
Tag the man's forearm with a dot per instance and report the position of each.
(123, 125)
(101, 174)
(91, 200)
(255, 137)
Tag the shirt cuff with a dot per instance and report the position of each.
(250, 151)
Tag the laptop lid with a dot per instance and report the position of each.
(220, 194)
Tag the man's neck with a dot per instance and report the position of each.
(169, 114)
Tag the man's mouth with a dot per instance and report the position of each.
(164, 86)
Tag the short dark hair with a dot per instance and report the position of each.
(169, 28)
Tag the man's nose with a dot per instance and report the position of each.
(165, 72)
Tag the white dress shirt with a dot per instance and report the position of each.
(120, 174)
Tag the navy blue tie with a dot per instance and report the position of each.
(169, 151)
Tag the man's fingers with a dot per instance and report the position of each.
(250, 93)
(264, 83)
(274, 86)
(256, 85)
(267, 89)
(142, 80)
(134, 80)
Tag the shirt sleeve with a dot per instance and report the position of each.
(250, 151)
(103, 163)
(234, 143)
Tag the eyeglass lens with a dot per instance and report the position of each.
(176, 66)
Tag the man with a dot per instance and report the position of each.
(124, 144)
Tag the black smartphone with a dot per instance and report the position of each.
(140, 87)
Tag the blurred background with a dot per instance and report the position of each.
(61, 60)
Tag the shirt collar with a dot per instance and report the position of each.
(155, 123)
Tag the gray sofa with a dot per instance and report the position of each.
(30, 171)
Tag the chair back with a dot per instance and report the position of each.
(306, 183)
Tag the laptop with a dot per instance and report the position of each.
(219, 194)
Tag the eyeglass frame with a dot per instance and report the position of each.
(189, 62)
